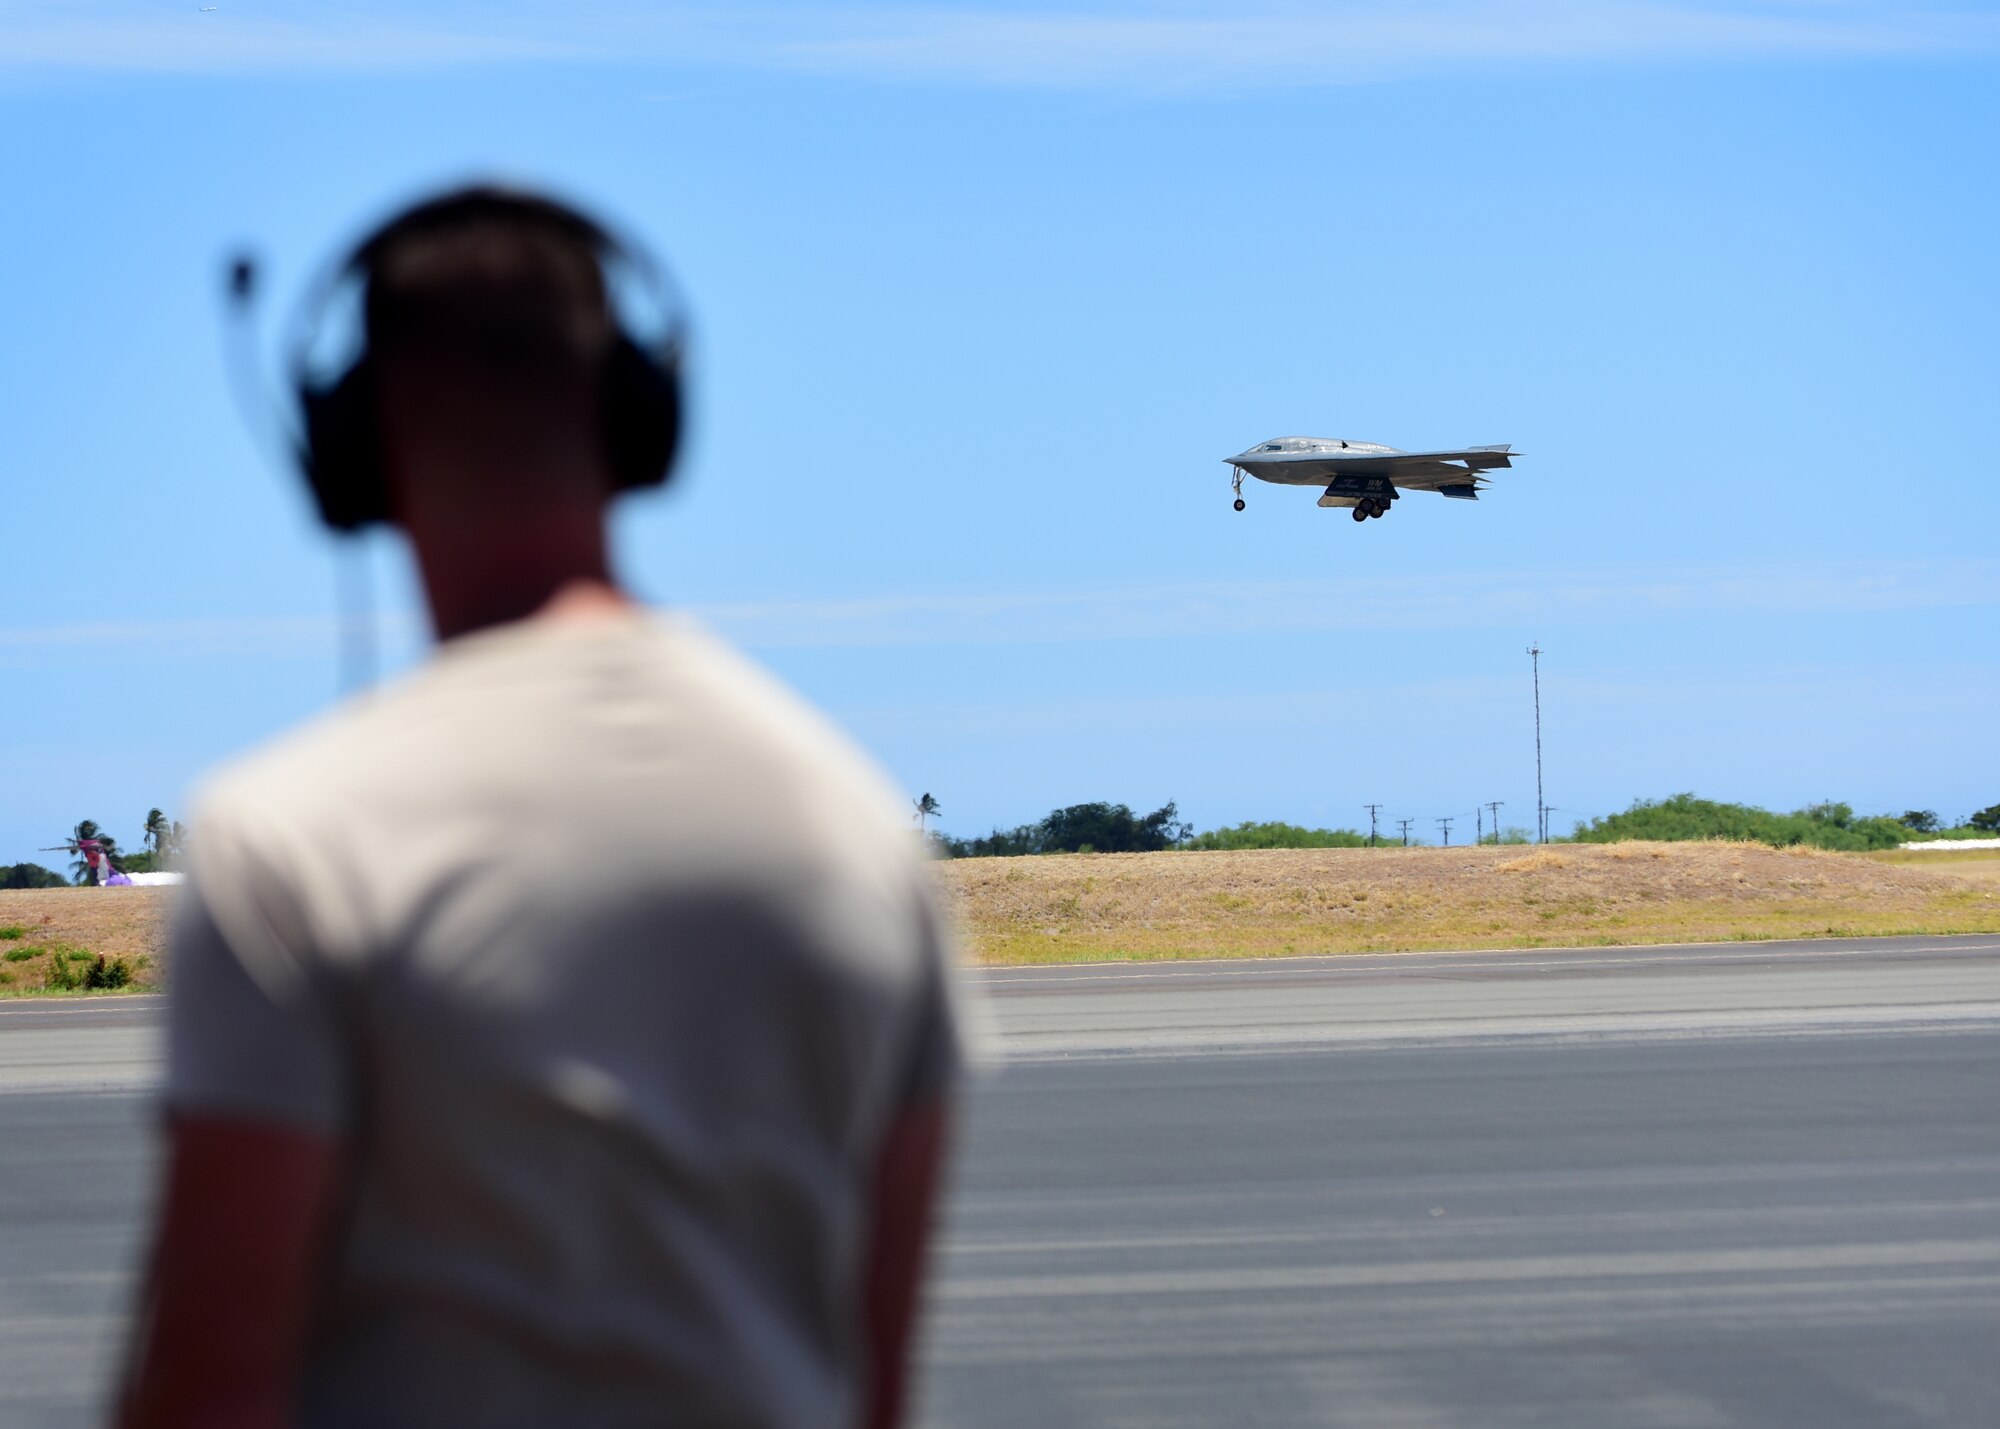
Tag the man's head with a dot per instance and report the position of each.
(497, 404)
(494, 368)
(490, 335)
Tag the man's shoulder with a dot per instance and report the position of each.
(318, 756)
(746, 702)
(808, 787)
(429, 726)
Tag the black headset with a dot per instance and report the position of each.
(339, 449)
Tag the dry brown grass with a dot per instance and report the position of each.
(118, 922)
(1982, 865)
(1089, 907)
(1085, 907)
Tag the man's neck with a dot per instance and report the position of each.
(482, 572)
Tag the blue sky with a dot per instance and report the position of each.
(983, 295)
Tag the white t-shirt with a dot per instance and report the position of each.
(612, 964)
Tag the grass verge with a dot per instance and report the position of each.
(1065, 908)
(1273, 903)
(81, 941)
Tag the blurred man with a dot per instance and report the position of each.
(561, 1035)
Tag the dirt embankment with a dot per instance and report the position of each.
(1273, 902)
(1085, 907)
(39, 926)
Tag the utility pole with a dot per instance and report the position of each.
(1494, 806)
(1478, 827)
(1371, 808)
(1541, 809)
(1445, 824)
(1406, 830)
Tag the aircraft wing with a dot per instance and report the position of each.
(1419, 471)
(1474, 458)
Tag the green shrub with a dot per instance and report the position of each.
(107, 973)
(1683, 817)
(21, 955)
(12, 933)
(60, 975)
(1278, 835)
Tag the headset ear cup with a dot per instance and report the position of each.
(642, 415)
(343, 450)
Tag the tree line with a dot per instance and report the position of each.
(163, 840)
(1827, 825)
(1114, 828)
(1079, 828)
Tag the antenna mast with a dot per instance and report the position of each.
(1541, 808)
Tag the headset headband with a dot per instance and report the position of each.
(469, 204)
(340, 451)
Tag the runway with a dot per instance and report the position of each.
(1710, 1186)
(1426, 998)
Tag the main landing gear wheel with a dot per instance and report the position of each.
(1239, 503)
(1361, 513)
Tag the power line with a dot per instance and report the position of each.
(1371, 808)
(1542, 809)
(1445, 824)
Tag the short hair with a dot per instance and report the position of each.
(510, 298)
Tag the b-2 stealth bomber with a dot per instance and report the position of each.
(1365, 476)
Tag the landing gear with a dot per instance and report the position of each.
(1236, 484)
(1361, 512)
(1239, 503)
(1369, 506)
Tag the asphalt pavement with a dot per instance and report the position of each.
(1706, 1186)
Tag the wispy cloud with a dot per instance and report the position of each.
(1112, 44)
(1497, 600)
(214, 637)
(1848, 697)
(1187, 610)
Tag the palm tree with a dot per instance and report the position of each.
(86, 830)
(176, 838)
(156, 831)
(925, 807)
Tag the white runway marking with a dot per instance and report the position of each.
(1661, 955)
(1735, 1260)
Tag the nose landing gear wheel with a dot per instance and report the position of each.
(1239, 503)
